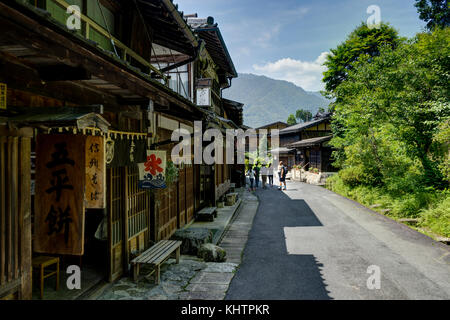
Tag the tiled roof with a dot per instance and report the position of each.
(303, 126)
(208, 31)
(311, 142)
(281, 150)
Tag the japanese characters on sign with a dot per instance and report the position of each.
(3, 93)
(124, 151)
(152, 172)
(95, 172)
(59, 201)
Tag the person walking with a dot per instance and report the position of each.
(264, 173)
(256, 169)
(280, 165)
(282, 172)
(270, 175)
(251, 177)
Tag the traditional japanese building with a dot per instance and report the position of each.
(215, 71)
(306, 144)
(91, 100)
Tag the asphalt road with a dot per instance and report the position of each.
(310, 243)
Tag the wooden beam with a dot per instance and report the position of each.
(67, 48)
(62, 72)
(21, 77)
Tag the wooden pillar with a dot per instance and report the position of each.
(126, 253)
(25, 219)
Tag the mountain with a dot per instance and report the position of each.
(268, 100)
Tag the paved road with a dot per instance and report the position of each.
(310, 243)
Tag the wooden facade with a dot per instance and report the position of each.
(116, 93)
(308, 143)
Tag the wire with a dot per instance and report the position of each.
(147, 33)
(107, 29)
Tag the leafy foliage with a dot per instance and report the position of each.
(436, 13)
(391, 129)
(260, 157)
(291, 120)
(171, 172)
(391, 106)
(304, 115)
(431, 207)
(362, 43)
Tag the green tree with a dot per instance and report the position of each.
(291, 120)
(362, 42)
(303, 115)
(391, 108)
(442, 148)
(436, 13)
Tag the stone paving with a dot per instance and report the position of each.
(192, 278)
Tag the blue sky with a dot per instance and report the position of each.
(289, 39)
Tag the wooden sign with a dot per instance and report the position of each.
(95, 172)
(152, 173)
(3, 93)
(59, 200)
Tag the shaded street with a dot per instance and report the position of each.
(310, 243)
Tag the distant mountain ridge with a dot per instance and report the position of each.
(268, 100)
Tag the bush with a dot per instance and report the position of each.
(430, 206)
(410, 206)
(437, 217)
(356, 175)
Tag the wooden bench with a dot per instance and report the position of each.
(207, 213)
(155, 256)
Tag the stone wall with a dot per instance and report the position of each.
(310, 177)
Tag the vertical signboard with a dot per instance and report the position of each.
(3, 93)
(60, 194)
(95, 172)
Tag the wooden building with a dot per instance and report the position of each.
(306, 144)
(215, 71)
(275, 125)
(83, 109)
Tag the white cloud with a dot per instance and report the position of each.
(244, 51)
(306, 74)
(265, 38)
(297, 12)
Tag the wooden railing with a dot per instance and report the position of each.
(126, 51)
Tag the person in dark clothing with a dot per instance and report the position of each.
(251, 177)
(257, 172)
(270, 175)
(282, 171)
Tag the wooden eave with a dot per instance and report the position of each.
(60, 117)
(37, 40)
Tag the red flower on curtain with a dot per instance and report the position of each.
(152, 165)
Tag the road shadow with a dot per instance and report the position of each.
(267, 271)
